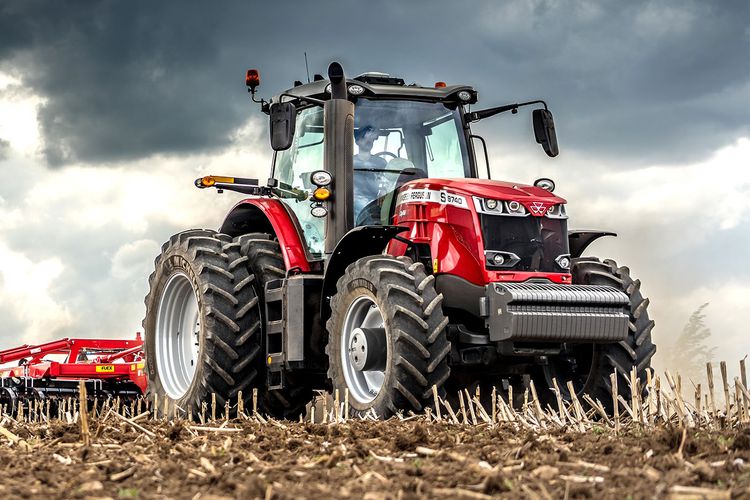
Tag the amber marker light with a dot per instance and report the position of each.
(252, 78)
(440, 85)
(211, 180)
(321, 194)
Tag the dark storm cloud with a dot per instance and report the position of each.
(643, 81)
(122, 79)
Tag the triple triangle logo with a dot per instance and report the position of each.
(538, 207)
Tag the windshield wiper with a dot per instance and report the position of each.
(386, 170)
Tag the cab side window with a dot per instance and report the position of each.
(293, 168)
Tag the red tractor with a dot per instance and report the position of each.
(376, 261)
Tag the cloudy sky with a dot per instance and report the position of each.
(109, 110)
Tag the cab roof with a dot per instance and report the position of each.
(317, 89)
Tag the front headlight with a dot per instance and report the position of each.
(489, 206)
(321, 178)
(557, 212)
(515, 208)
(504, 260)
(563, 261)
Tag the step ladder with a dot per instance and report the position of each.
(274, 334)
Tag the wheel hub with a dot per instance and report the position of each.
(367, 349)
(364, 350)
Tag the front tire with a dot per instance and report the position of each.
(589, 366)
(387, 337)
(201, 336)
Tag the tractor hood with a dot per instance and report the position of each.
(498, 190)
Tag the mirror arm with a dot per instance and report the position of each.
(244, 189)
(237, 184)
(486, 113)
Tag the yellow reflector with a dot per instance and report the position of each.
(269, 360)
(321, 194)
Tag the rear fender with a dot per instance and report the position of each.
(268, 215)
(357, 243)
(579, 240)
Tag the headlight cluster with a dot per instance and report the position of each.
(499, 207)
(557, 212)
(322, 180)
(514, 208)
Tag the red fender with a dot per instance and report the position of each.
(269, 215)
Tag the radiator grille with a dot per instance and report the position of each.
(537, 241)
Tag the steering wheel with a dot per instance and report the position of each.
(386, 153)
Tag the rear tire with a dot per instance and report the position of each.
(263, 260)
(596, 362)
(202, 331)
(395, 301)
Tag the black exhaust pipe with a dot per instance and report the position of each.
(338, 81)
(338, 147)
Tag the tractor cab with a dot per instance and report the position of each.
(396, 140)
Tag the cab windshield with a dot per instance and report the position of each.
(395, 141)
(398, 141)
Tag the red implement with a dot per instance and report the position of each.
(53, 369)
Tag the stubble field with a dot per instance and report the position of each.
(399, 458)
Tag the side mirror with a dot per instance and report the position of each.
(544, 131)
(283, 119)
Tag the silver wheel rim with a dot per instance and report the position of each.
(364, 386)
(177, 336)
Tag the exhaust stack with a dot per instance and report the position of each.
(338, 147)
